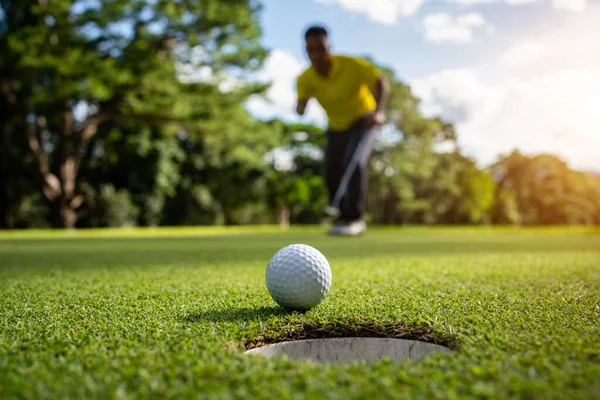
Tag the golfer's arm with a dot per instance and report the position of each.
(382, 92)
(301, 106)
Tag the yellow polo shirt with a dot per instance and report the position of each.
(345, 94)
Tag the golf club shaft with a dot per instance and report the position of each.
(334, 209)
(343, 186)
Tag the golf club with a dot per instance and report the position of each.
(333, 210)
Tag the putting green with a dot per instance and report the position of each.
(157, 313)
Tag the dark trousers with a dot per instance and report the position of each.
(339, 150)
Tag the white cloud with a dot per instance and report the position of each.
(455, 94)
(281, 69)
(474, 2)
(545, 102)
(566, 5)
(382, 11)
(522, 53)
(570, 5)
(441, 27)
(552, 113)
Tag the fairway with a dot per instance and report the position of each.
(168, 313)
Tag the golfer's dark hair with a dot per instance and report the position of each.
(315, 30)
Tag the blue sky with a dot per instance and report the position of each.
(509, 74)
(402, 44)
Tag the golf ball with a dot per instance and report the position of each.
(298, 277)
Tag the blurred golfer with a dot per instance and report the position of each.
(344, 86)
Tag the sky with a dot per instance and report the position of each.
(509, 74)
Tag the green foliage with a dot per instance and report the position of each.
(546, 191)
(128, 62)
(21, 203)
(297, 188)
(411, 182)
(111, 208)
(140, 158)
(224, 173)
(185, 179)
(505, 210)
(473, 191)
(27, 211)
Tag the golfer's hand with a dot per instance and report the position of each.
(301, 106)
(377, 117)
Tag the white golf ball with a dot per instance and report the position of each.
(298, 277)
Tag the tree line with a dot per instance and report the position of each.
(126, 113)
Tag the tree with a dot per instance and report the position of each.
(546, 191)
(133, 167)
(224, 176)
(68, 68)
(295, 186)
(471, 192)
(408, 183)
(179, 179)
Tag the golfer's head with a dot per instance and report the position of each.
(317, 45)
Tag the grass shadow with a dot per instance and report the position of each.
(291, 330)
(353, 328)
(236, 314)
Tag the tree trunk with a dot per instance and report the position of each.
(284, 217)
(68, 154)
(63, 215)
(61, 189)
(68, 215)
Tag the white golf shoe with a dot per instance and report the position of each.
(353, 228)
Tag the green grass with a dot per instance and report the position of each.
(156, 313)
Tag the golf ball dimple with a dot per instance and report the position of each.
(298, 276)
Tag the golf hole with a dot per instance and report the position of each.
(347, 350)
